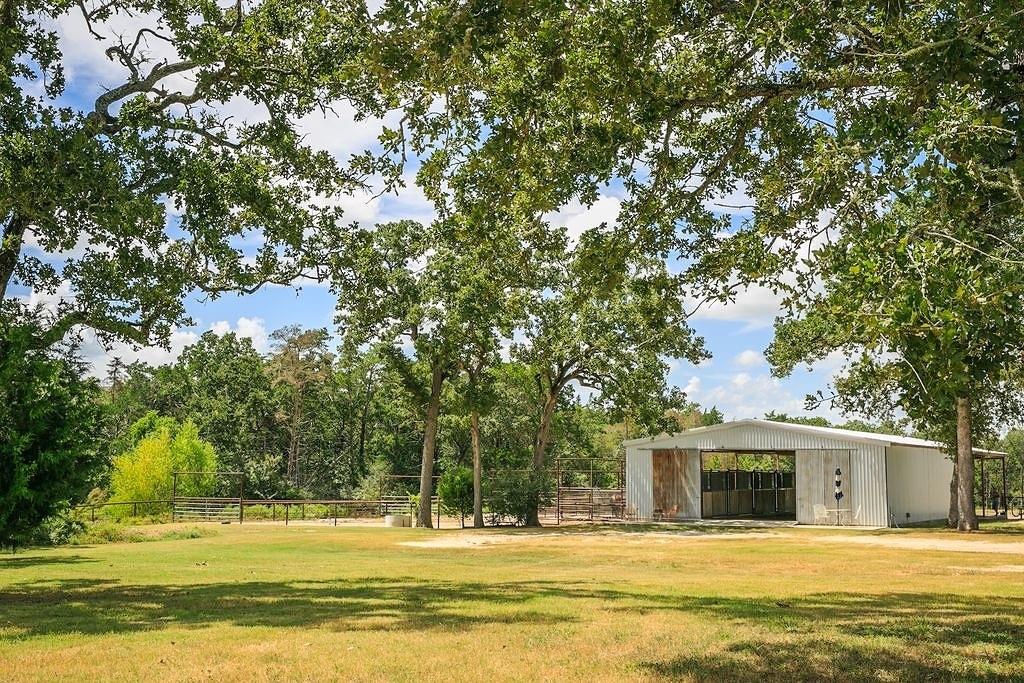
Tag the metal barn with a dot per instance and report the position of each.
(758, 468)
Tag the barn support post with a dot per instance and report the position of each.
(1006, 502)
(984, 493)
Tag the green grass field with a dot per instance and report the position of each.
(265, 603)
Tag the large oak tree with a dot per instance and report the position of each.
(119, 198)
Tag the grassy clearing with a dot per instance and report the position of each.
(262, 603)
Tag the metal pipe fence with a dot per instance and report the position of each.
(213, 509)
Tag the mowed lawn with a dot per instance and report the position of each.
(263, 602)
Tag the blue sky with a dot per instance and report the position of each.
(736, 379)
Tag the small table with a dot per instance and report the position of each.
(839, 513)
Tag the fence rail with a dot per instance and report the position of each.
(216, 509)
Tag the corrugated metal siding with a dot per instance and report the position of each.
(639, 484)
(918, 484)
(755, 437)
(867, 462)
(864, 484)
(869, 484)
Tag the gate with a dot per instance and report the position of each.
(190, 504)
(590, 489)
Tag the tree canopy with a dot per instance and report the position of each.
(155, 185)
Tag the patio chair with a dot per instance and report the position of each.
(820, 514)
(855, 520)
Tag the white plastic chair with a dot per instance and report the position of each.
(820, 514)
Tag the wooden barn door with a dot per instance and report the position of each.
(676, 491)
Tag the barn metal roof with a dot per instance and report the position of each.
(825, 432)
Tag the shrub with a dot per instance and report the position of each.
(508, 494)
(455, 491)
(49, 422)
(146, 471)
(58, 529)
(112, 532)
(377, 482)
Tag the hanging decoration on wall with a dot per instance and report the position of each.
(839, 486)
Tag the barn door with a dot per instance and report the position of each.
(815, 482)
(832, 461)
(676, 489)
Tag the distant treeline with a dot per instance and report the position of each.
(305, 421)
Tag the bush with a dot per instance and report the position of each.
(455, 491)
(377, 482)
(49, 422)
(146, 471)
(508, 494)
(58, 529)
(112, 532)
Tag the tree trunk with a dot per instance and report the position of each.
(293, 444)
(540, 448)
(953, 518)
(360, 468)
(423, 517)
(478, 495)
(968, 521)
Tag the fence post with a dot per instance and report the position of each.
(591, 489)
(287, 508)
(335, 514)
(94, 513)
(558, 490)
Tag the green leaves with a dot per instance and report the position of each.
(154, 190)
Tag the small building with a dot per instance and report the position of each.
(759, 468)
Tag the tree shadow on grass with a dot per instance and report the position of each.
(823, 636)
(21, 561)
(844, 636)
(94, 606)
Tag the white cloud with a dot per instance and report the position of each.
(253, 328)
(337, 131)
(49, 302)
(577, 218)
(749, 359)
(692, 386)
(746, 396)
(756, 306)
(94, 353)
(735, 201)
